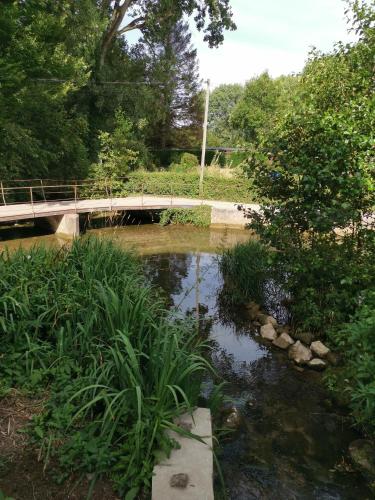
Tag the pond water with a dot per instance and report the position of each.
(291, 443)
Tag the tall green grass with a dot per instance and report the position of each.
(81, 325)
(246, 268)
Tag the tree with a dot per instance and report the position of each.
(223, 100)
(41, 132)
(264, 99)
(315, 169)
(147, 15)
(172, 64)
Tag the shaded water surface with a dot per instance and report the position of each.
(292, 444)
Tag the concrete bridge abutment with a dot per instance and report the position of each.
(64, 225)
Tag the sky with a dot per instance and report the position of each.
(273, 35)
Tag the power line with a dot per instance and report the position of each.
(99, 83)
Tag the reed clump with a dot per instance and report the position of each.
(82, 325)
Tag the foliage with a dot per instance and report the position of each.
(223, 100)
(120, 153)
(59, 104)
(171, 61)
(189, 160)
(316, 170)
(356, 341)
(150, 15)
(188, 163)
(164, 157)
(246, 268)
(41, 132)
(263, 103)
(187, 185)
(197, 216)
(83, 323)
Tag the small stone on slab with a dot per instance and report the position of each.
(179, 480)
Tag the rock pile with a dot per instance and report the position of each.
(301, 347)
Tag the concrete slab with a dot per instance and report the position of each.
(231, 216)
(188, 473)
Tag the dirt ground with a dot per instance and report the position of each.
(21, 471)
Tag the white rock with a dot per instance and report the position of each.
(319, 349)
(283, 341)
(317, 364)
(268, 332)
(299, 353)
(272, 320)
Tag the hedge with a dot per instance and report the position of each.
(187, 185)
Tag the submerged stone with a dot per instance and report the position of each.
(232, 418)
(317, 364)
(362, 454)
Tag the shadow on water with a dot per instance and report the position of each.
(291, 444)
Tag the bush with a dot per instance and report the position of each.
(188, 163)
(198, 216)
(189, 160)
(356, 341)
(83, 326)
(325, 281)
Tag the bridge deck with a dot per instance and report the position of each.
(50, 208)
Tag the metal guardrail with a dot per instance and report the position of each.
(32, 191)
(39, 191)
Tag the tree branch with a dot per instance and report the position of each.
(118, 14)
(137, 23)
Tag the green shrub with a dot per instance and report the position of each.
(84, 327)
(326, 280)
(356, 341)
(198, 216)
(188, 163)
(189, 160)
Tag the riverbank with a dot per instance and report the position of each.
(84, 331)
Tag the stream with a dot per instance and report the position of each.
(292, 442)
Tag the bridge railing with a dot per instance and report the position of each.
(31, 191)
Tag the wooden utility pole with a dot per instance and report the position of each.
(204, 141)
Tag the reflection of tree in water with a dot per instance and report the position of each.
(168, 271)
